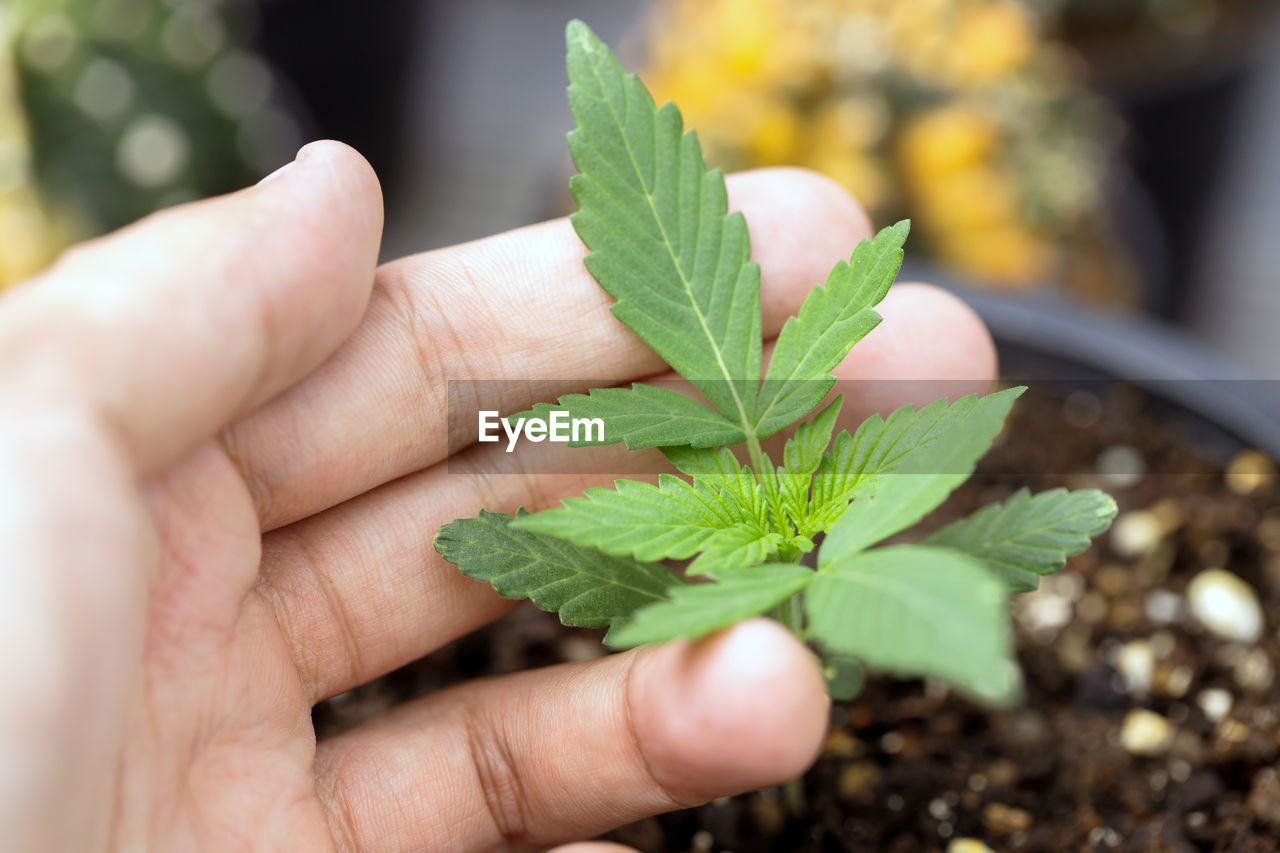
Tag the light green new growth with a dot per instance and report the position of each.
(664, 245)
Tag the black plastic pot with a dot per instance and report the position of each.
(1139, 228)
(1180, 136)
(1045, 337)
(1179, 103)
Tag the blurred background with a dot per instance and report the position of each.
(1118, 154)
(1099, 178)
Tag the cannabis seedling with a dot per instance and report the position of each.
(663, 245)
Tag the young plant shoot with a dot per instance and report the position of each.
(665, 248)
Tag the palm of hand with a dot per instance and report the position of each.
(219, 746)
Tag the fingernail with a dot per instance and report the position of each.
(278, 172)
(303, 153)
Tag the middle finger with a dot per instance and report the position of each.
(518, 307)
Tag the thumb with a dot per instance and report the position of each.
(571, 751)
(170, 328)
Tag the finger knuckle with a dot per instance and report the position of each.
(498, 774)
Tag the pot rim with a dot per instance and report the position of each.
(1149, 354)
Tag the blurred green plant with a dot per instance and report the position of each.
(127, 106)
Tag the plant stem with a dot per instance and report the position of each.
(757, 457)
(790, 615)
(793, 796)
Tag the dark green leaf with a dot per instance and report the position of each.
(1026, 537)
(656, 221)
(833, 318)
(645, 416)
(673, 520)
(917, 611)
(929, 454)
(804, 451)
(586, 587)
(699, 609)
(714, 466)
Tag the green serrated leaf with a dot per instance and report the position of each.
(833, 318)
(587, 588)
(673, 520)
(801, 457)
(933, 453)
(721, 470)
(803, 452)
(715, 466)
(878, 448)
(698, 609)
(739, 547)
(793, 494)
(1026, 537)
(771, 489)
(645, 416)
(917, 611)
(662, 241)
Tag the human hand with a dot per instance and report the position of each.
(222, 463)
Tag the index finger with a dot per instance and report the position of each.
(519, 307)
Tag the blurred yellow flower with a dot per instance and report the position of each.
(956, 113)
(746, 29)
(942, 141)
(694, 83)
(992, 41)
(29, 238)
(1010, 256)
(863, 176)
(773, 133)
(968, 200)
(859, 121)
